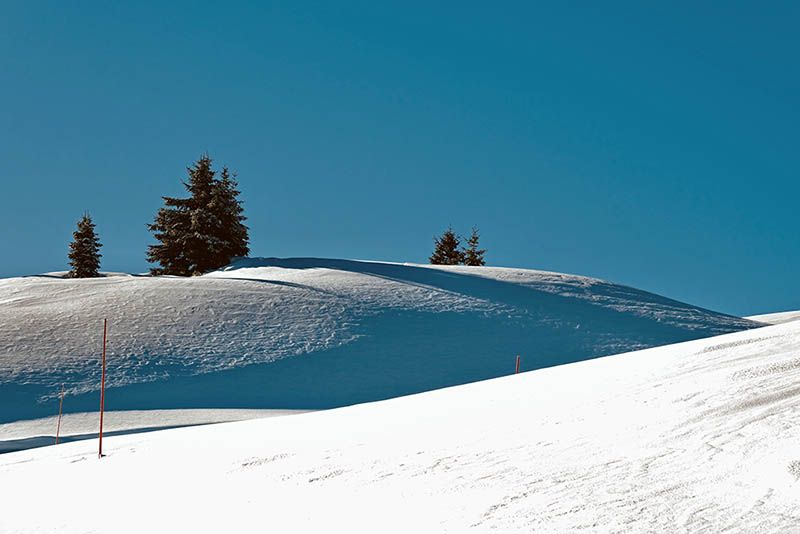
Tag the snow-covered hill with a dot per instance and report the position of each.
(700, 436)
(312, 333)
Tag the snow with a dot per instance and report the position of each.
(41, 432)
(308, 333)
(776, 318)
(696, 436)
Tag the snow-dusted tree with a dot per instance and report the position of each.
(446, 250)
(202, 232)
(472, 254)
(84, 251)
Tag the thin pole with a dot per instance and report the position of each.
(60, 405)
(516, 371)
(103, 388)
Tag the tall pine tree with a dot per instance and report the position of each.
(202, 232)
(84, 251)
(233, 236)
(472, 254)
(446, 250)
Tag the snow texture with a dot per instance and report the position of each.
(776, 318)
(694, 437)
(310, 333)
(32, 433)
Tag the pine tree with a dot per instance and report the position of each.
(171, 228)
(84, 251)
(202, 241)
(174, 229)
(232, 237)
(472, 254)
(446, 250)
(202, 232)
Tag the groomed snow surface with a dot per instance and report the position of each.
(700, 436)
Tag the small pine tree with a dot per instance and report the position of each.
(472, 254)
(446, 250)
(84, 251)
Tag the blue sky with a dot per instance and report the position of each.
(652, 146)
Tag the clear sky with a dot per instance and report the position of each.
(651, 146)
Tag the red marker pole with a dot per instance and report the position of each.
(60, 405)
(103, 388)
(516, 372)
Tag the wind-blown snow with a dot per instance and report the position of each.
(313, 333)
(700, 436)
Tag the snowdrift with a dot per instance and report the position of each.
(312, 333)
(695, 437)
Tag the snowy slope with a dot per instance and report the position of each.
(700, 436)
(776, 318)
(21, 435)
(312, 333)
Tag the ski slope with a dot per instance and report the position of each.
(700, 436)
(310, 333)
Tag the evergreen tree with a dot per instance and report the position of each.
(232, 237)
(84, 251)
(202, 240)
(472, 254)
(202, 232)
(446, 250)
(171, 228)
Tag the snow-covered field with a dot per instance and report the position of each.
(700, 436)
(312, 333)
(41, 432)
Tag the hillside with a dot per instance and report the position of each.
(312, 333)
(699, 436)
